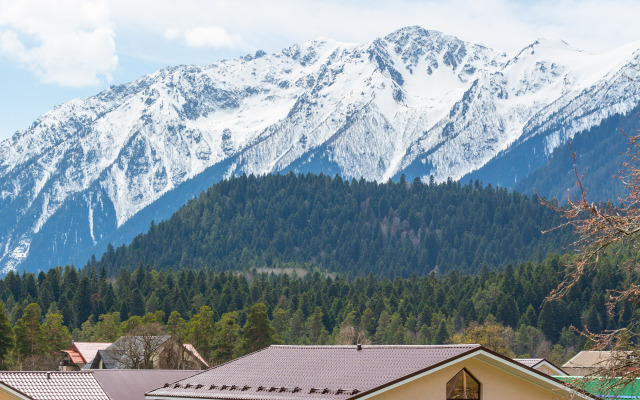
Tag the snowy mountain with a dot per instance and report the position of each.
(417, 102)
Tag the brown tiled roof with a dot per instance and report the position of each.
(529, 362)
(88, 350)
(54, 385)
(311, 372)
(132, 384)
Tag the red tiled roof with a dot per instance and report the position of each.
(54, 385)
(317, 372)
(88, 350)
(76, 358)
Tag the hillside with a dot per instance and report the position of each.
(356, 227)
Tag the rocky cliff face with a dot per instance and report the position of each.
(416, 102)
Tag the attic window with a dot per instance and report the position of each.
(463, 386)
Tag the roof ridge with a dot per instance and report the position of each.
(47, 372)
(378, 346)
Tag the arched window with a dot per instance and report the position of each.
(463, 386)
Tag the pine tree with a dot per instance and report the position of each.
(257, 332)
(442, 335)
(56, 335)
(226, 337)
(6, 336)
(28, 332)
(200, 331)
(82, 302)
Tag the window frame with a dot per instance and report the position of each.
(465, 370)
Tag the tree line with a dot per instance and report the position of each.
(223, 313)
(392, 229)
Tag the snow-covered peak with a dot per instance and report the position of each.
(414, 100)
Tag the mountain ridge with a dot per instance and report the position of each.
(416, 101)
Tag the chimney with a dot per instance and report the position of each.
(48, 375)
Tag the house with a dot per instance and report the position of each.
(84, 385)
(542, 365)
(79, 354)
(148, 352)
(370, 372)
(590, 362)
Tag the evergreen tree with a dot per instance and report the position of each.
(200, 331)
(6, 336)
(56, 336)
(442, 334)
(507, 311)
(82, 302)
(226, 337)
(257, 332)
(28, 332)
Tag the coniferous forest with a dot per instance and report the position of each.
(503, 310)
(317, 260)
(351, 227)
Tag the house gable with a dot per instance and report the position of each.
(498, 380)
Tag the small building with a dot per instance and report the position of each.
(148, 352)
(444, 372)
(79, 354)
(542, 365)
(590, 362)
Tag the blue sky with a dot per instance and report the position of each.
(52, 51)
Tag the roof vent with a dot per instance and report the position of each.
(212, 387)
(359, 346)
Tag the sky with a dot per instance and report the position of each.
(52, 51)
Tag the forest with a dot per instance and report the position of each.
(223, 313)
(392, 229)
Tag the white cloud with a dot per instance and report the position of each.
(202, 36)
(64, 42)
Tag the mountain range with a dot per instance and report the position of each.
(415, 102)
